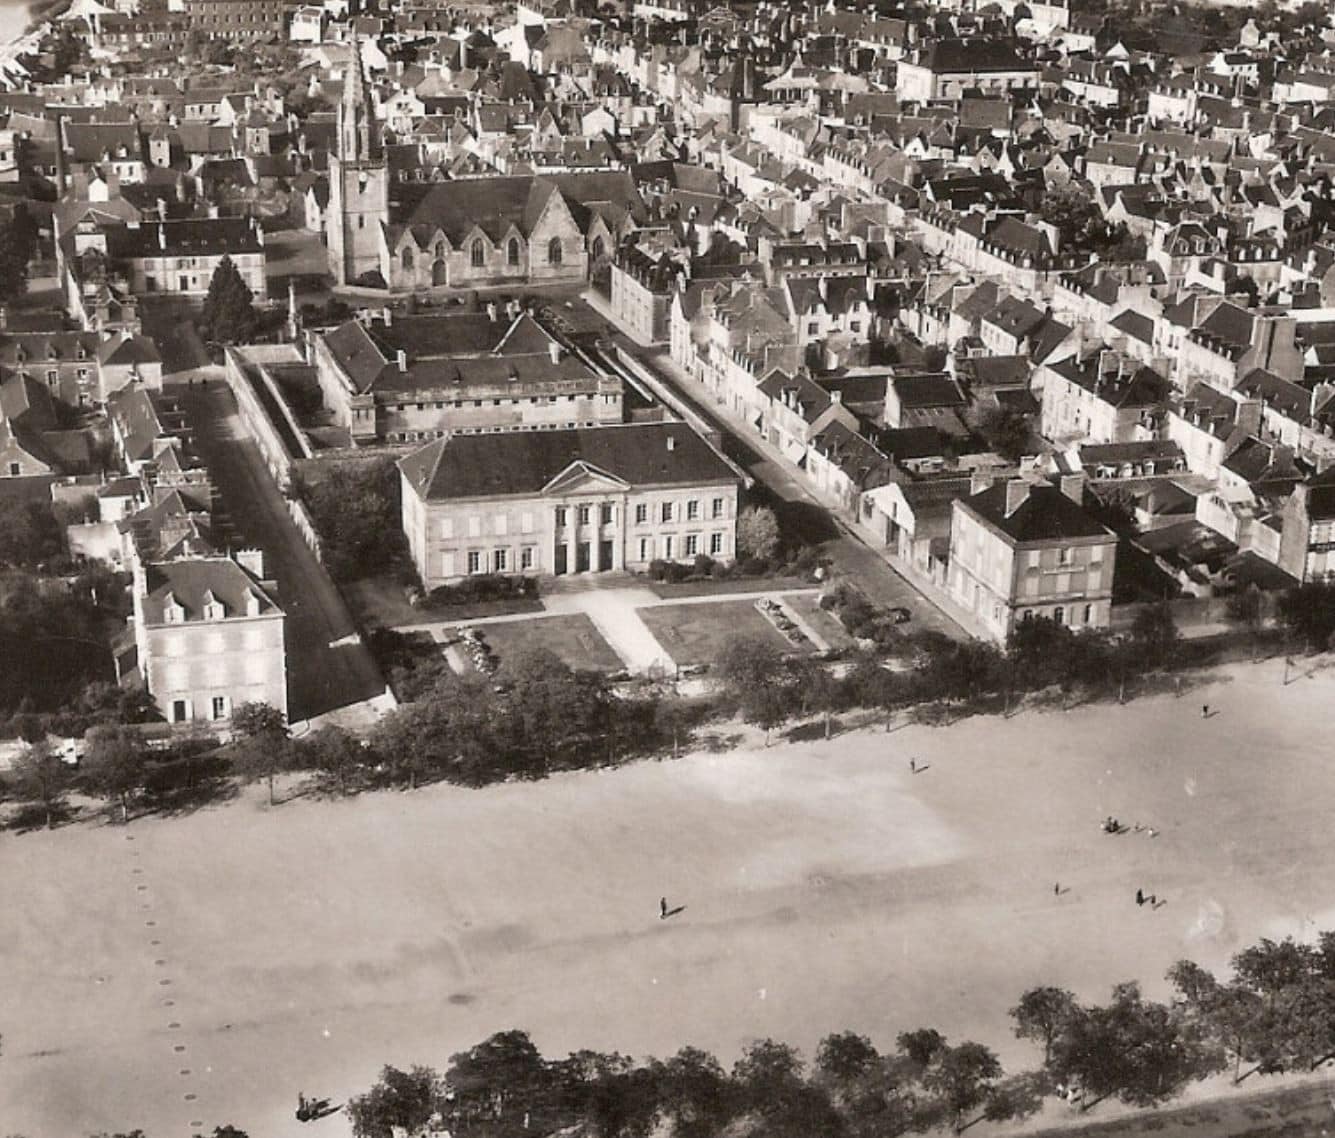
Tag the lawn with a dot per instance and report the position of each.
(571, 636)
(380, 602)
(184, 973)
(695, 634)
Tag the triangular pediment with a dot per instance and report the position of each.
(582, 477)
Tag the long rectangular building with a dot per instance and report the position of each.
(552, 503)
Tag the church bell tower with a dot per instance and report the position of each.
(358, 181)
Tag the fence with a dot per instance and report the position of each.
(273, 447)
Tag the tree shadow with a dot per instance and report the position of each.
(32, 816)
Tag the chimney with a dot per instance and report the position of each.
(554, 350)
(162, 209)
(493, 311)
(387, 315)
(980, 479)
(1073, 487)
(162, 236)
(402, 360)
(1017, 493)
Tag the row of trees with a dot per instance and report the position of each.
(1276, 1014)
(769, 688)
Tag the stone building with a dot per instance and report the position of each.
(552, 503)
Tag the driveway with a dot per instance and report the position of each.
(328, 667)
(802, 513)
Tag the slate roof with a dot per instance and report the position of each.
(1046, 514)
(197, 237)
(523, 462)
(188, 581)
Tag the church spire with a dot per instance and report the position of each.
(355, 116)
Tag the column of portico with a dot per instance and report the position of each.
(596, 541)
(619, 535)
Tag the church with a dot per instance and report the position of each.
(468, 232)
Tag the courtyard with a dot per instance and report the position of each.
(181, 973)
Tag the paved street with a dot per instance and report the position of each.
(321, 676)
(801, 511)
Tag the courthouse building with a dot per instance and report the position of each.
(551, 503)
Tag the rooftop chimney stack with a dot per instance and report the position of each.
(403, 360)
(554, 351)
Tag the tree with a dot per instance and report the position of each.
(114, 766)
(1245, 608)
(757, 533)
(962, 1078)
(920, 1047)
(1308, 612)
(1154, 632)
(752, 671)
(1042, 1014)
(695, 1093)
(335, 753)
(1006, 430)
(40, 775)
(1139, 1051)
(845, 1057)
(504, 1065)
(17, 246)
(30, 534)
(229, 315)
(400, 1098)
(355, 507)
(263, 740)
(1081, 228)
(767, 1072)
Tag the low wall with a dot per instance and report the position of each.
(302, 519)
(260, 426)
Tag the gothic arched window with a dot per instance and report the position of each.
(598, 248)
(479, 254)
(512, 251)
(554, 251)
(407, 258)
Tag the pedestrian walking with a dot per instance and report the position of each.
(1057, 889)
(1140, 897)
(1205, 711)
(913, 766)
(662, 908)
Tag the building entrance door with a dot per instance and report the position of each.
(561, 567)
(605, 554)
(582, 557)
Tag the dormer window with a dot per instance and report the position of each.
(252, 604)
(213, 608)
(173, 612)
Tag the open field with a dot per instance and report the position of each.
(572, 637)
(825, 887)
(695, 634)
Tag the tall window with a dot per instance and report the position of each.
(715, 544)
(693, 510)
(474, 561)
(717, 509)
(584, 515)
(407, 259)
(500, 560)
(554, 251)
(560, 516)
(479, 254)
(598, 248)
(667, 512)
(605, 515)
(512, 251)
